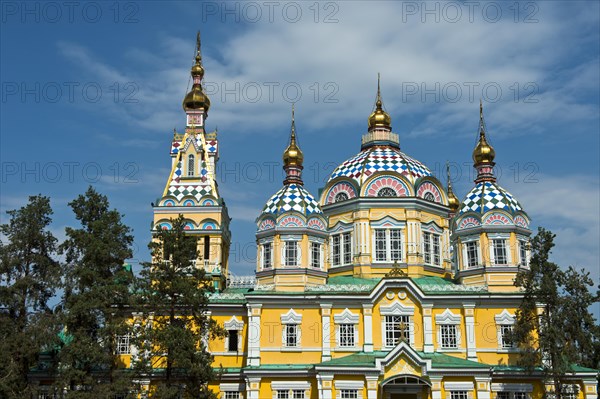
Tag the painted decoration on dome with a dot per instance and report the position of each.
(496, 219)
(521, 221)
(209, 226)
(291, 221)
(188, 226)
(429, 192)
(469, 222)
(386, 186)
(164, 226)
(168, 202)
(188, 202)
(266, 224)
(316, 224)
(208, 202)
(340, 192)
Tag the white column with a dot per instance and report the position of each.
(252, 387)
(324, 385)
(327, 331)
(470, 331)
(371, 386)
(482, 385)
(254, 336)
(436, 387)
(428, 328)
(368, 327)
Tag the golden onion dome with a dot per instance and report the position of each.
(453, 202)
(379, 118)
(293, 156)
(196, 99)
(483, 153)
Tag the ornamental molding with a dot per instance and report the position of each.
(452, 288)
(458, 386)
(500, 387)
(346, 317)
(234, 324)
(340, 288)
(397, 309)
(505, 318)
(291, 317)
(447, 317)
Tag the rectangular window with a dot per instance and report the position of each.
(397, 328)
(283, 394)
(297, 394)
(505, 341)
(233, 340)
(315, 255)
(349, 394)
(267, 256)
(427, 248)
(472, 254)
(395, 245)
(347, 248)
(336, 250)
(380, 246)
(346, 335)
(291, 253)
(431, 249)
(341, 249)
(523, 253)
(520, 395)
(500, 257)
(459, 395)
(503, 395)
(231, 395)
(46, 395)
(123, 347)
(291, 335)
(448, 336)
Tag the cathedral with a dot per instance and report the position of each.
(383, 286)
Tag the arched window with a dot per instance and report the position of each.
(191, 161)
(339, 197)
(386, 192)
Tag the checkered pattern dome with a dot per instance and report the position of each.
(486, 196)
(377, 159)
(292, 197)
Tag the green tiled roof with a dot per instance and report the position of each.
(280, 367)
(438, 285)
(438, 360)
(229, 295)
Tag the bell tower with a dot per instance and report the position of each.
(192, 188)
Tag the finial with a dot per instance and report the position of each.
(379, 118)
(293, 132)
(483, 154)
(453, 202)
(198, 55)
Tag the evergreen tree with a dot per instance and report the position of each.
(174, 291)
(554, 329)
(95, 301)
(29, 277)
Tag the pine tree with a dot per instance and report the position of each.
(95, 300)
(554, 329)
(29, 277)
(172, 346)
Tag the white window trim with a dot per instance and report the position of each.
(506, 238)
(388, 242)
(523, 240)
(237, 325)
(320, 262)
(349, 385)
(397, 309)
(298, 253)
(458, 386)
(432, 253)
(291, 317)
(262, 253)
(290, 386)
(346, 317)
(465, 257)
(448, 318)
(504, 319)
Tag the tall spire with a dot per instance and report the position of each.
(293, 157)
(453, 202)
(196, 99)
(379, 118)
(484, 153)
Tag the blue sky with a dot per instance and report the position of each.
(92, 92)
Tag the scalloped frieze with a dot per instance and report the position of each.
(387, 182)
(428, 187)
